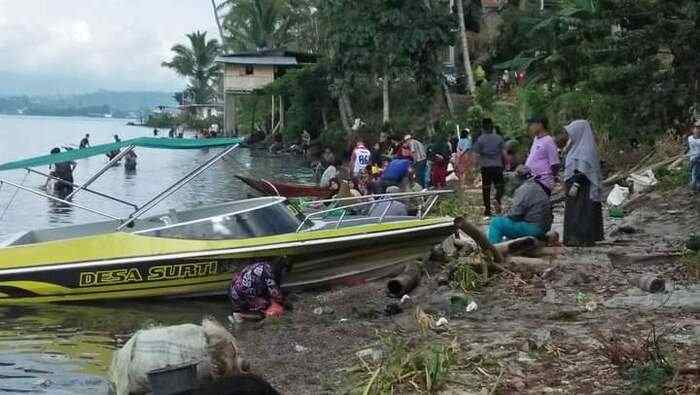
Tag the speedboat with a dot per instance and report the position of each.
(186, 253)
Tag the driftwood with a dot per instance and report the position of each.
(479, 237)
(622, 176)
(516, 246)
(404, 282)
(651, 283)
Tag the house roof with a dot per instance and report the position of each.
(276, 57)
(258, 60)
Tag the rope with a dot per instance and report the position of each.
(12, 199)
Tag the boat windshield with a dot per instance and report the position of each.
(259, 222)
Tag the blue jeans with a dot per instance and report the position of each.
(506, 227)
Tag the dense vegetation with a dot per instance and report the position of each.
(630, 66)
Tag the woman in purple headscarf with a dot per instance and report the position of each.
(583, 217)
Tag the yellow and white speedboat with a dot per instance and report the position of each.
(195, 252)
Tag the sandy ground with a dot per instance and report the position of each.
(550, 333)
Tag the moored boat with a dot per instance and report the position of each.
(289, 190)
(194, 252)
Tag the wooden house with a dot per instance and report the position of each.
(245, 72)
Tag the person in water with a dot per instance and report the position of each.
(113, 153)
(530, 215)
(63, 171)
(85, 142)
(257, 287)
(130, 161)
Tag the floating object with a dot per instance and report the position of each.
(194, 252)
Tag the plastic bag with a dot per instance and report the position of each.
(210, 345)
(642, 181)
(618, 195)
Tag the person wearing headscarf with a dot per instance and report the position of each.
(583, 216)
(258, 286)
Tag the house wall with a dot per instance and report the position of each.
(236, 79)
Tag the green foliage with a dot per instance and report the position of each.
(628, 66)
(649, 379)
(403, 367)
(163, 120)
(252, 24)
(465, 278)
(670, 179)
(196, 62)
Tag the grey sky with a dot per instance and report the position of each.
(70, 46)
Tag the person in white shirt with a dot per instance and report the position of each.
(360, 158)
(330, 173)
(694, 157)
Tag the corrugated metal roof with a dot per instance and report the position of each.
(259, 60)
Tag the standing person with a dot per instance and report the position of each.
(85, 142)
(130, 161)
(583, 215)
(420, 158)
(360, 158)
(258, 287)
(171, 133)
(509, 153)
(63, 171)
(489, 149)
(439, 153)
(155, 132)
(530, 215)
(464, 157)
(543, 160)
(694, 157)
(305, 142)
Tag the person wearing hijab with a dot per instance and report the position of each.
(583, 216)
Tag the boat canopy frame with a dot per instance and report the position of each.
(139, 211)
(432, 198)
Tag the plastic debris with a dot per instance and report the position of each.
(405, 299)
(642, 181)
(441, 322)
(472, 306)
(618, 195)
(300, 348)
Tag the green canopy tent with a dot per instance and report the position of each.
(103, 149)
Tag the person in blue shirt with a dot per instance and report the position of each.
(395, 173)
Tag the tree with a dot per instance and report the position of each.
(251, 24)
(385, 40)
(465, 47)
(197, 63)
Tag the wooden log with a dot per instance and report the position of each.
(623, 258)
(404, 282)
(479, 237)
(515, 246)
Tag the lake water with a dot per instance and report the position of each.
(66, 349)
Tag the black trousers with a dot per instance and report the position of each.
(492, 176)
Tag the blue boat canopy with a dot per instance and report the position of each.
(103, 149)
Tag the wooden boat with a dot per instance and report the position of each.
(288, 190)
(195, 252)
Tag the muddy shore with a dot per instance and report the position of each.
(550, 333)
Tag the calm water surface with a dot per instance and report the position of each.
(66, 349)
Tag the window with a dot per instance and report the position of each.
(249, 70)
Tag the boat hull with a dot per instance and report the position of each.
(348, 257)
(274, 188)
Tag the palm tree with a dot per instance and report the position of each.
(197, 63)
(251, 24)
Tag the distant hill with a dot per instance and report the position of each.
(112, 102)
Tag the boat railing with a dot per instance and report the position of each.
(431, 197)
